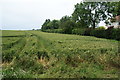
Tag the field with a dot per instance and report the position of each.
(35, 54)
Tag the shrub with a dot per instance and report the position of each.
(68, 26)
(79, 31)
(101, 33)
(88, 31)
(54, 30)
(115, 34)
(98, 33)
(101, 28)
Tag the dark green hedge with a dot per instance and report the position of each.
(54, 30)
(108, 34)
(100, 33)
(79, 31)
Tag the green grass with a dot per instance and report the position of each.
(35, 54)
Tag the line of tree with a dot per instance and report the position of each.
(85, 15)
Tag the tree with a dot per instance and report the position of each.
(67, 24)
(79, 15)
(45, 24)
(91, 13)
(63, 20)
(54, 24)
(68, 27)
(113, 10)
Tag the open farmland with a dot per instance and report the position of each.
(35, 54)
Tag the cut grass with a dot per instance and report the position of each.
(51, 55)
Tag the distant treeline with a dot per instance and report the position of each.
(84, 20)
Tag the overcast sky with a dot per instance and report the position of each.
(29, 14)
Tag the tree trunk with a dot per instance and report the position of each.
(93, 24)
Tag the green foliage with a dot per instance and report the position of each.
(65, 24)
(54, 30)
(101, 33)
(68, 26)
(113, 34)
(85, 15)
(54, 24)
(109, 33)
(101, 28)
(79, 31)
(88, 31)
(63, 21)
(94, 12)
(98, 32)
(45, 24)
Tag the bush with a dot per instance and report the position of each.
(101, 28)
(101, 33)
(79, 31)
(113, 34)
(68, 27)
(53, 30)
(98, 33)
(88, 31)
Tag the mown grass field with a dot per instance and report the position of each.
(35, 54)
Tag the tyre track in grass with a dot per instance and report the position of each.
(42, 44)
(30, 43)
(18, 45)
(10, 45)
(25, 45)
(16, 49)
(40, 48)
(47, 47)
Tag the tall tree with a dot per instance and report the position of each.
(63, 20)
(45, 24)
(54, 24)
(67, 24)
(91, 13)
